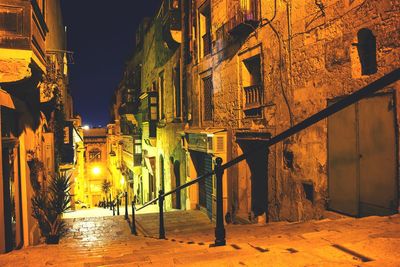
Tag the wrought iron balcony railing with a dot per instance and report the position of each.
(254, 96)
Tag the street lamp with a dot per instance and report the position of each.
(96, 170)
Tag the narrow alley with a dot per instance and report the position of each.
(199, 133)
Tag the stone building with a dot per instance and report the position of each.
(248, 70)
(96, 169)
(259, 67)
(151, 109)
(32, 67)
(125, 119)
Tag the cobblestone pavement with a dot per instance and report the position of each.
(106, 241)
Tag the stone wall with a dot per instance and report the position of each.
(307, 58)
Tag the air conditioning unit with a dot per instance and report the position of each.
(217, 143)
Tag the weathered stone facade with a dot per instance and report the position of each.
(307, 57)
(252, 69)
(28, 41)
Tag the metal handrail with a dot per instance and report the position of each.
(369, 89)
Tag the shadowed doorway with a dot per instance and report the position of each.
(255, 185)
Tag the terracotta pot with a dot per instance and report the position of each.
(52, 239)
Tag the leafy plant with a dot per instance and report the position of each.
(106, 186)
(36, 166)
(49, 204)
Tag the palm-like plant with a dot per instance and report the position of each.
(49, 205)
(105, 186)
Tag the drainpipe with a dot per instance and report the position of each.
(289, 21)
(280, 41)
(184, 58)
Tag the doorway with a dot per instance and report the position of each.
(362, 158)
(152, 180)
(176, 182)
(257, 162)
(11, 193)
(203, 164)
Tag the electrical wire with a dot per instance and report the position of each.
(269, 23)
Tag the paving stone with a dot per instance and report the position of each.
(107, 242)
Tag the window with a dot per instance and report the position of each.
(95, 155)
(177, 91)
(366, 48)
(161, 87)
(137, 157)
(138, 147)
(205, 29)
(154, 86)
(208, 99)
(252, 86)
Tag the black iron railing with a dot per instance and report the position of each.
(219, 168)
(114, 204)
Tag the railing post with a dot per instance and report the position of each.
(126, 205)
(133, 225)
(219, 228)
(118, 205)
(161, 206)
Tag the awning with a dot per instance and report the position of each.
(12, 102)
(248, 135)
(6, 100)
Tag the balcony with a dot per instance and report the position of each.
(22, 38)
(171, 23)
(149, 110)
(132, 149)
(244, 18)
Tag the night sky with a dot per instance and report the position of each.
(102, 35)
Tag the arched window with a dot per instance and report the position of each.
(366, 48)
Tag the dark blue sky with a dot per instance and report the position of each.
(101, 34)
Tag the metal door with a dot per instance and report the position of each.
(362, 158)
(378, 185)
(203, 165)
(342, 166)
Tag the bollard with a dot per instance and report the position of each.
(219, 228)
(161, 206)
(117, 205)
(126, 205)
(133, 225)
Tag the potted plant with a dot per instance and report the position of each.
(48, 205)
